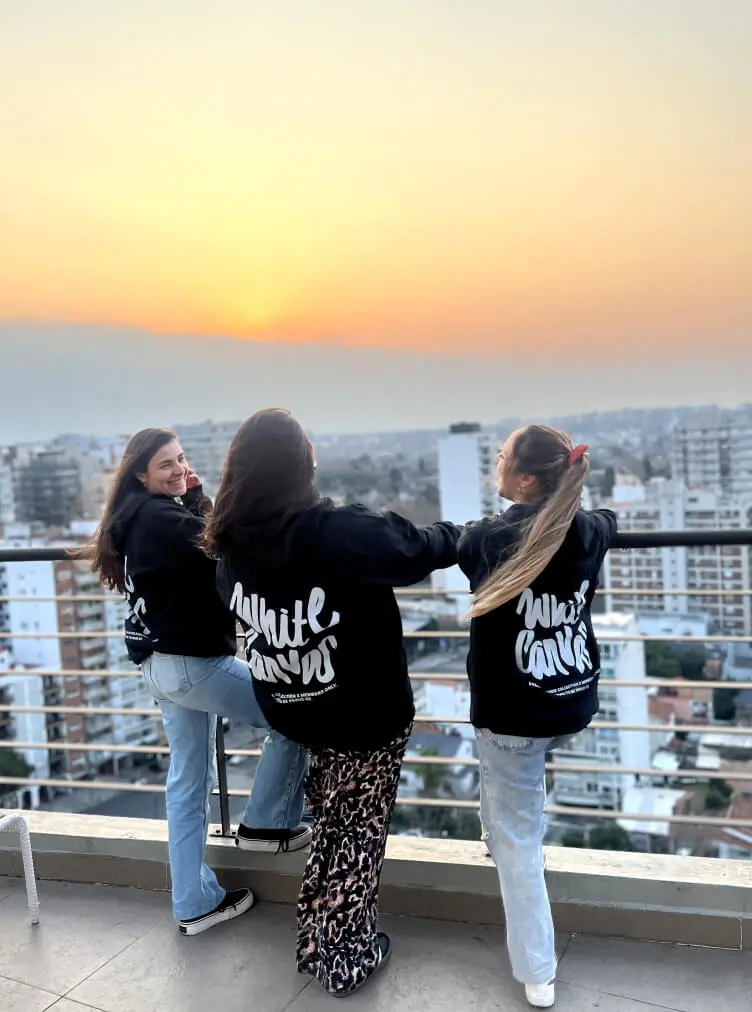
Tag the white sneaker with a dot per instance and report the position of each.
(540, 995)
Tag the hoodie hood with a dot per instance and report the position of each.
(271, 542)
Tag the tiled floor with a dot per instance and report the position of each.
(116, 950)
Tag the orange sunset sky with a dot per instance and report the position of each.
(445, 175)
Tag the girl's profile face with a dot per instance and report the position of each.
(508, 478)
(519, 488)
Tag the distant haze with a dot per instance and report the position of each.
(72, 378)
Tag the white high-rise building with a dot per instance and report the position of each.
(34, 588)
(206, 446)
(669, 506)
(609, 746)
(715, 456)
(20, 688)
(468, 487)
(7, 485)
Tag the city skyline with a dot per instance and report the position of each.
(68, 379)
(564, 181)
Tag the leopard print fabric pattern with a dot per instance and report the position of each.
(351, 795)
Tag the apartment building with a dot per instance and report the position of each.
(609, 746)
(667, 505)
(206, 446)
(716, 455)
(467, 485)
(37, 593)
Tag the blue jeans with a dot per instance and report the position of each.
(512, 798)
(191, 692)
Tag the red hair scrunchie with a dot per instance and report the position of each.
(576, 453)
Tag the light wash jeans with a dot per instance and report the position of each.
(512, 798)
(191, 692)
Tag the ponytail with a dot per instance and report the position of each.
(560, 470)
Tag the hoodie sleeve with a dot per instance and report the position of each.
(603, 524)
(196, 502)
(480, 549)
(385, 548)
(173, 532)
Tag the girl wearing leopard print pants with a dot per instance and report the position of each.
(311, 585)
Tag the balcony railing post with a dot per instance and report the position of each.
(224, 799)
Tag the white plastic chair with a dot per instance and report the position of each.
(16, 821)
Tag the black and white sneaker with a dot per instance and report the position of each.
(233, 905)
(273, 840)
(385, 952)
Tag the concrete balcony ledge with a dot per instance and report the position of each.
(651, 897)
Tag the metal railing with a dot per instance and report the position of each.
(623, 541)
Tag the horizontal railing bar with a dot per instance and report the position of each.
(59, 598)
(124, 711)
(71, 673)
(675, 820)
(71, 746)
(426, 634)
(658, 728)
(602, 637)
(98, 634)
(418, 676)
(585, 813)
(404, 592)
(85, 711)
(604, 683)
(92, 785)
(738, 536)
(409, 760)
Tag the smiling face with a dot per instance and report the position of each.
(166, 472)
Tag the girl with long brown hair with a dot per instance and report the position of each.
(183, 638)
(533, 667)
(311, 585)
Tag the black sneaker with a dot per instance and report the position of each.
(273, 840)
(385, 952)
(233, 905)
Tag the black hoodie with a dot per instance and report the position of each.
(534, 662)
(173, 605)
(323, 632)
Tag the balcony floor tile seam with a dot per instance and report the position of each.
(62, 1000)
(565, 950)
(106, 962)
(292, 1001)
(33, 987)
(638, 1003)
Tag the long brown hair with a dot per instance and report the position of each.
(101, 551)
(542, 453)
(268, 477)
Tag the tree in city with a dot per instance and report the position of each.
(447, 823)
(724, 704)
(610, 836)
(607, 482)
(12, 764)
(718, 796)
(573, 839)
(661, 661)
(692, 664)
(647, 468)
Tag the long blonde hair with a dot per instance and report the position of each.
(544, 454)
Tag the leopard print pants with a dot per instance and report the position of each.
(351, 795)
